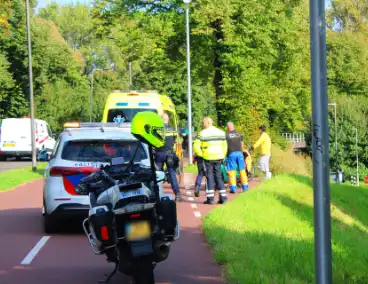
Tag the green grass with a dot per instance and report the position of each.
(13, 178)
(191, 169)
(266, 235)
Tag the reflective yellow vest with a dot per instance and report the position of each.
(211, 144)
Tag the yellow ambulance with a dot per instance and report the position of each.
(126, 104)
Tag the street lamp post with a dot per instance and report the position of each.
(130, 76)
(320, 142)
(190, 151)
(357, 155)
(336, 154)
(30, 78)
(91, 93)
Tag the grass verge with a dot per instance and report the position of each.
(13, 178)
(266, 235)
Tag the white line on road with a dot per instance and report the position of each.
(193, 205)
(36, 249)
(190, 198)
(189, 193)
(197, 214)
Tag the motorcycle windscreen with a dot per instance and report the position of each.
(89, 155)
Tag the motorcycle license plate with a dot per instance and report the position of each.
(137, 230)
(131, 193)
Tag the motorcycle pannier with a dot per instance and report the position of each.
(167, 209)
(102, 223)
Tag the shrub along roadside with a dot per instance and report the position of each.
(13, 178)
(266, 234)
(287, 162)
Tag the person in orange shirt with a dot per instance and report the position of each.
(265, 143)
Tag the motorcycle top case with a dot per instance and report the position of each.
(167, 210)
(102, 224)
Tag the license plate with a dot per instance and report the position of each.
(9, 144)
(131, 193)
(137, 230)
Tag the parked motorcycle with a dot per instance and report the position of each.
(130, 220)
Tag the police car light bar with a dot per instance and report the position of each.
(96, 125)
(134, 91)
(72, 125)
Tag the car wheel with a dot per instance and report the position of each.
(50, 226)
(49, 223)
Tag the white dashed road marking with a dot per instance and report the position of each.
(36, 249)
(190, 198)
(197, 214)
(193, 205)
(189, 193)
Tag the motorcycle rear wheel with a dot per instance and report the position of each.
(143, 271)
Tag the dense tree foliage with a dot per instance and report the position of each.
(250, 62)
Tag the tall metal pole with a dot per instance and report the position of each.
(320, 140)
(189, 85)
(357, 155)
(90, 97)
(130, 76)
(91, 93)
(337, 155)
(30, 78)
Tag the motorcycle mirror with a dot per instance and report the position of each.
(160, 176)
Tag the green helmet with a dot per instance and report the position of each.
(148, 127)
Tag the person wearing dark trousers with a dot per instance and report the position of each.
(166, 155)
(211, 145)
(201, 173)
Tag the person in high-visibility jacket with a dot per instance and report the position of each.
(235, 158)
(211, 145)
(265, 143)
(166, 155)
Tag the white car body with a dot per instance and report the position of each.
(16, 140)
(59, 200)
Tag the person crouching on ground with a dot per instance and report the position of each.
(235, 158)
(265, 142)
(212, 147)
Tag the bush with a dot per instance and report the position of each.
(287, 162)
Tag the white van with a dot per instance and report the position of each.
(15, 137)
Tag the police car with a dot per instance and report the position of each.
(81, 149)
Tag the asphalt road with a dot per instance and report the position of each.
(13, 164)
(28, 256)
